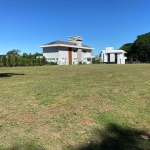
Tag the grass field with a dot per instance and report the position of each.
(75, 107)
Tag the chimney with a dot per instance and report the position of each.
(75, 39)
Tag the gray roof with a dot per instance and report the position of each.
(63, 42)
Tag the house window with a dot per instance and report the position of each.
(89, 59)
(74, 50)
(50, 58)
(84, 51)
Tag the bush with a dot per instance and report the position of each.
(80, 63)
(96, 61)
(4, 59)
(52, 63)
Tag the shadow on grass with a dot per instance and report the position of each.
(115, 137)
(2, 75)
(22, 145)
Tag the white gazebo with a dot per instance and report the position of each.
(109, 55)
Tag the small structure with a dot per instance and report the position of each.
(109, 55)
(68, 53)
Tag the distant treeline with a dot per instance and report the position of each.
(13, 58)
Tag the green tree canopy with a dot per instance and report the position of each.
(14, 52)
(127, 48)
(4, 60)
(140, 49)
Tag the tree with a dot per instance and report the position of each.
(140, 49)
(14, 52)
(12, 58)
(142, 46)
(127, 48)
(16, 58)
(9, 60)
(37, 54)
(43, 60)
(4, 60)
(25, 55)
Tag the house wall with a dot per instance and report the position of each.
(51, 53)
(74, 56)
(86, 53)
(82, 55)
(63, 56)
(84, 59)
(60, 55)
(79, 55)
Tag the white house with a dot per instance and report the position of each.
(68, 53)
(109, 55)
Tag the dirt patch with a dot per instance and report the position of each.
(106, 108)
(98, 105)
(79, 107)
(25, 117)
(50, 111)
(87, 121)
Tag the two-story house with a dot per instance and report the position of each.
(68, 53)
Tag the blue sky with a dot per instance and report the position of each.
(27, 24)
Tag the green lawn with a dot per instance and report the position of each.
(66, 107)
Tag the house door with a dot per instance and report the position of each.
(108, 58)
(70, 55)
(115, 58)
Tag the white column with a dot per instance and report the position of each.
(102, 57)
(105, 57)
(112, 57)
(121, 59)
(118, 58)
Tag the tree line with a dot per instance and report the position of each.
(13, 58)
(139, 50)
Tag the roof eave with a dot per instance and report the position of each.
(63, 45)
(113, 51)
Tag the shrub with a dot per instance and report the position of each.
(52, 63)
(80, 63)
(96, 61)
